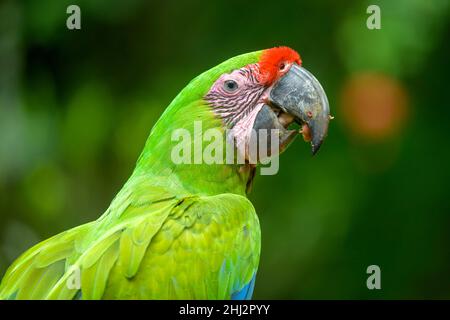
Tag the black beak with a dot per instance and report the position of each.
(300, 94)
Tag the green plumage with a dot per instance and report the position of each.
(173, 232)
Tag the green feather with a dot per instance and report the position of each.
(47, 279)
(94, 278)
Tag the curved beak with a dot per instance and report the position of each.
(299, 93)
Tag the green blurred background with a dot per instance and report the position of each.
(77, 106)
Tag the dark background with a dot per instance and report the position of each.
(77, 106)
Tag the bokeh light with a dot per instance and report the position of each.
(374, 106)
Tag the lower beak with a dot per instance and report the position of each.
(299, 94)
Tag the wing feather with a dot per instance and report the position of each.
(163, 247)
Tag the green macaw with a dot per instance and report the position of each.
(184, 230)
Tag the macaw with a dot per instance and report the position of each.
(183, 230)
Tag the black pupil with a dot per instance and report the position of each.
(231, 85)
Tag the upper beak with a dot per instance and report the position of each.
(300, 94)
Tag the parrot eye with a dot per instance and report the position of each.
(282, 66)
(230, 85)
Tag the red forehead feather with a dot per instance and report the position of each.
(271, 59)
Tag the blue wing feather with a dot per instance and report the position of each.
(246, 292)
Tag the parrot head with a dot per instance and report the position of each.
(272, 93)
(264, 91)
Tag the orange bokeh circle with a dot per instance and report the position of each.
(374, 106)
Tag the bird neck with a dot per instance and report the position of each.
(178, 154)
